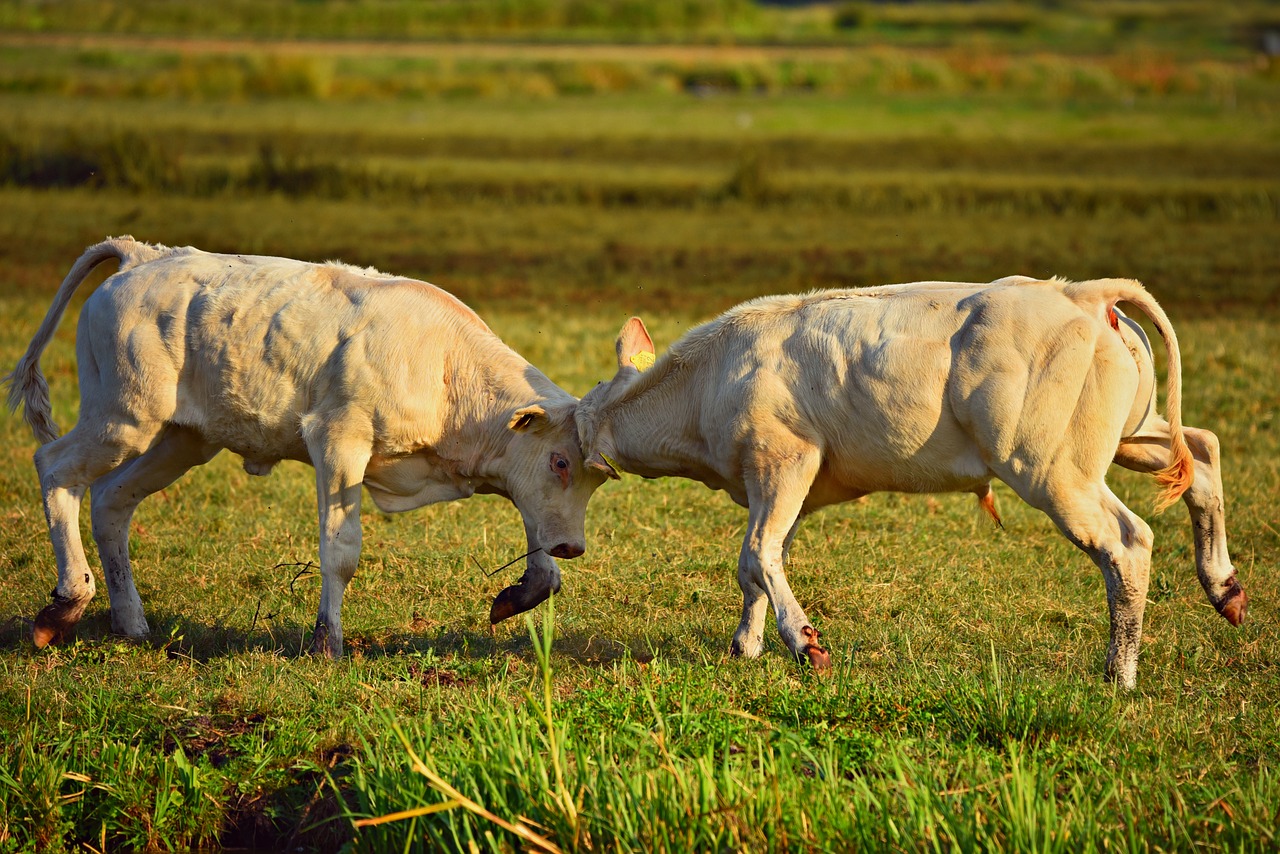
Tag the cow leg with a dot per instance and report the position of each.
(1119, 542)
(541, 578)
(340, 459)
(776, 490)
(748, 640)
(66, 467)
(1206, 505)
(113, 499)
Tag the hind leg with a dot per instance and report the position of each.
(1206, 504)
(1119, 542)
(113, 499)
(66, 467)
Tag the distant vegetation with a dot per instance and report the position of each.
(1234, 181)
(1184, 26)
(212, 71)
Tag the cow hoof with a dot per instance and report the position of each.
(129, 625)
(43, 635)
(502, 609)
(320, 641)
(746, 647)
(514, 600)
(1233, 607)
(819, 658)
(56, 621)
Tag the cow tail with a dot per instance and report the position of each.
(27, 386)
(1176, 477)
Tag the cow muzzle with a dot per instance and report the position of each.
(567, 551)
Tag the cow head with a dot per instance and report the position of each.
(635, 355)
(548, 479)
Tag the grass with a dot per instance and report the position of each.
(967, 707)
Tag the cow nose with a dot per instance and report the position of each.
(567, 550)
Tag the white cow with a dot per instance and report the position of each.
(791, 403)
(372, 379)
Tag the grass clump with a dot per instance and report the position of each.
(1002, 709)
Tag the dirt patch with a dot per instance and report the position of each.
(304, 815)
(205, 737)
(437, 677)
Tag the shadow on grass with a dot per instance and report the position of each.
(182, 637)
(15, 631)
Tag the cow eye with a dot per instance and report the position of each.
(559, 463)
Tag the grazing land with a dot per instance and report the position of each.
(561, 173)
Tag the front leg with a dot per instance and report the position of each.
(541, 579)
(777, 484)
(748, 640)
(340, 452)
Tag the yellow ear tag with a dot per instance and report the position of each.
(643, 360)
(612, 463)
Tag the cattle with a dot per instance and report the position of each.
(373, 380)
(792, 403)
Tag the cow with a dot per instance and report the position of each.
(792, 403)
(374, 380)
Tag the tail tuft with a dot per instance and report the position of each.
(1177, 477)
(29, 391)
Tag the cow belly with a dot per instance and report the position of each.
(264, 433)
(846, 476)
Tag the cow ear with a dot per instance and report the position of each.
(598, 462)
(528, 417)
(635, 347)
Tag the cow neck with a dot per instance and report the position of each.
(654, 426)
(481, 401)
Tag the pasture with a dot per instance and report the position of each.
(558, 194)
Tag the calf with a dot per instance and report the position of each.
(792, 403)
(374, 380)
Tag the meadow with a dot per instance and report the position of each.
(561, 172)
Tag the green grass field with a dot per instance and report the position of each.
(966, 708)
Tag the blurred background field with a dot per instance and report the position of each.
(561, 165)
